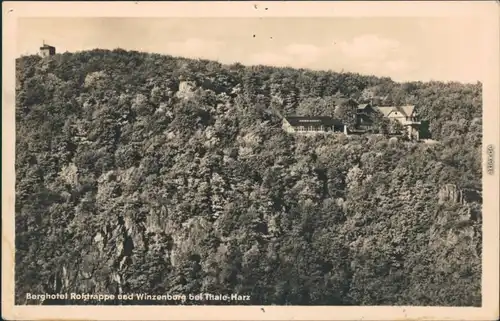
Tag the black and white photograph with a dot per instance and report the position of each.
(257, 160)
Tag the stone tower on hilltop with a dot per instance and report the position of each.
(47, 50)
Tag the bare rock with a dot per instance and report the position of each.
(450, 193)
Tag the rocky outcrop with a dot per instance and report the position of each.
(186, 89)
(94, 78)
(450, 193)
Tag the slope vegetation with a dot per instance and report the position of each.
(144, 173)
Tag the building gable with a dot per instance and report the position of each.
(399, 111)
(385, 110)
(407, 110)
(363, 106)
(395, 113)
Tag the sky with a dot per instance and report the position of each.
(403, 48)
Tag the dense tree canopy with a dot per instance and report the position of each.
(144, 173)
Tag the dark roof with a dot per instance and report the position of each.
(313, 120)
(46, 47)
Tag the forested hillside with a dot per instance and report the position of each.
(145, 173)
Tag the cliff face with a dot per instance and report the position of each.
(450, 193)
(152, 174)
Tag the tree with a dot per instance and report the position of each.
(346, 111)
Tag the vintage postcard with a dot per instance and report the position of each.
(250, 160)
